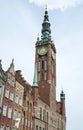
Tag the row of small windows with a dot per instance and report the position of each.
(10, 110)
(42, 76)
(28, 123)
(16, 114)
(10, 95)
(39, 128)
(18, 100)
(9, 114)
(42, 65)
(44, 115)
(2, 127)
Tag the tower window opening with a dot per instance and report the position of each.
(42, 65)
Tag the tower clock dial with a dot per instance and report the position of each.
(42, 50)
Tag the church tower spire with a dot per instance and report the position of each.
(46, 31)
(46, 63)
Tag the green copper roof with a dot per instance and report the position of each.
(46, 24)
(46, 31)
(35, 81)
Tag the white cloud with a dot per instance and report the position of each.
(57, 4)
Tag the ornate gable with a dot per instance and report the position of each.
(2, 72)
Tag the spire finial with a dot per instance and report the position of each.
(46, 31)
(46, 17)
(13, 61)
(46, 7)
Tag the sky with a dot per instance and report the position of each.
(20, 23)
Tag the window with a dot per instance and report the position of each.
(15, 114)
(9, 112)
(2, 127)
(4, 109)
(20, 101)
(16, 99)
(36, 127)
(44, 115)
(42, 65)
(46, 127)
(11, 96)
(41, 113)
(7, 128)
(39, 128)
(7, 93)
(47, 117)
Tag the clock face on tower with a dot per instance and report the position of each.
(42, 51)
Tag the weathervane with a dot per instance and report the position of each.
(46, 6)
